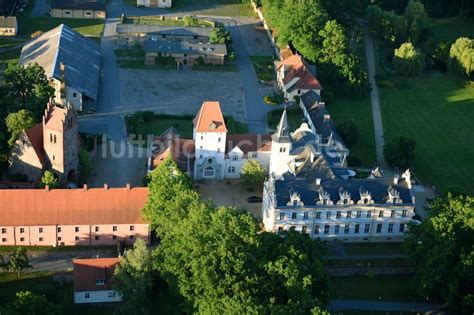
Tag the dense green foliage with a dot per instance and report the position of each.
(85, 165)
(18, 122)
(307, 26)
(217, 260)
(442, 249)
(252, 174)
(48, 179)
(18, 261)
(349, 132)
(220, 35)
(461, 56)
(133, 279)
(27, 302)
(408, 60)
(399, 152)
(28, 88)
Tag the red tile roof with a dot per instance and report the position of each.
(35, 135)
(249, 142)
(88, 271)
(181, 150)
(209, 118)
(55, 117)
(23, 207)
(299, 68)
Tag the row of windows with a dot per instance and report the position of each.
(348, 214)
(347, 227)
(41, 239)
(111, 294)
(76, 229)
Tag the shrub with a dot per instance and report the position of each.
(399, 152)
(349, 132)
(274, 99)
(148, 116)
(461, 56)
(408, 60)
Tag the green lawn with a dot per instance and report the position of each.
(436, 111)
(87, 27)
(133, 52)
(216, 68)
(374, 248)
(449, 29)
(10, 55)
(383, 288)
(216, 7)
(294, 114)
(264, 67)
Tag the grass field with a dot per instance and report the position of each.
(374, 248)
(437, 112)
(383, 288)
(215, 7)
(294, 114)
(29, 24)
(264, 67)
(449, 29)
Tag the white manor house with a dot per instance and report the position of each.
(309, 187)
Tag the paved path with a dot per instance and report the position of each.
(343, 305)
(62, 260)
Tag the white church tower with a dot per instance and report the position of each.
(281, 147)
(209, 135)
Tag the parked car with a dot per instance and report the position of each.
(254, 199)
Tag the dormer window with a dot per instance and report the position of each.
(393, 195)
(365, 196)
(324, 197)
(295, 199)
(345, 197)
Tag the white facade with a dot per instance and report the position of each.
(73, 96)
(155, 3)
(97, 296)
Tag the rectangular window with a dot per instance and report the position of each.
(336, 229)
(22, 230)
(303, 229)
(381, 214)
(22, 239)
(76, 229)
(40, 239)
(390, 227)
(60, 238)
(76, 238)
(282, 215)
(369, 214)
(293, 216)
(328, 215)
(87, 295)
(280, 229)
(132, 228)
(97, 237)
(114, 228)
(402, 228)
(316, 229)
(305, 215)
(392, 214)
(99, 282)
(346, 228)
(338, 215)
(111, 294)
(4, 231)
(4, 240)
(367, 228)
(359, 214)
(349, 214)
(40, 230)
(97, 229)
(318, 215)
(379, 228)
(59, 229)
(356, 229)
(404, 213)
(326, 229)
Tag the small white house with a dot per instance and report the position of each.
(155, 3)
(93, 280)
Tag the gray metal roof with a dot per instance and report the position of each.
(308, 190)
(184, 47)
(163, 30)
(80, 55)
(9, 21)
(320, 117)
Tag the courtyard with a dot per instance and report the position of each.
(180, 92)
(230, 193)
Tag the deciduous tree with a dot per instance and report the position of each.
(220, 35)
(85, 165)
(17, 123)
(442, 249)
(461, 56)
(417, 19)
(408, 60)
(252, 174)
(49, 179)
(349, 132)
(399, 152)
(27, 302)
(18, 260)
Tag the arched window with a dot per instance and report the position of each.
(208, 172)
(231, 169)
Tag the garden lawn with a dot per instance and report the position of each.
(87, 27)
(264, 67)
(387, 288)
(216, 7)
(294, 114)
(437, 112)
(10, 55)
(449, 29)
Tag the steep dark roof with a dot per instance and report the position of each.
(282, 133)
(308, 190)
(97, 5)
(80, 55)
(182, 47)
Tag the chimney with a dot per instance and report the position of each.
(318, 181)
(396, 177)
(128, 186)
(106, 187)
(84, 187)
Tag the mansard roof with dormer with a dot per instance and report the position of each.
(310, 190)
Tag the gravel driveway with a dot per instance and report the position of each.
(180, 92)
